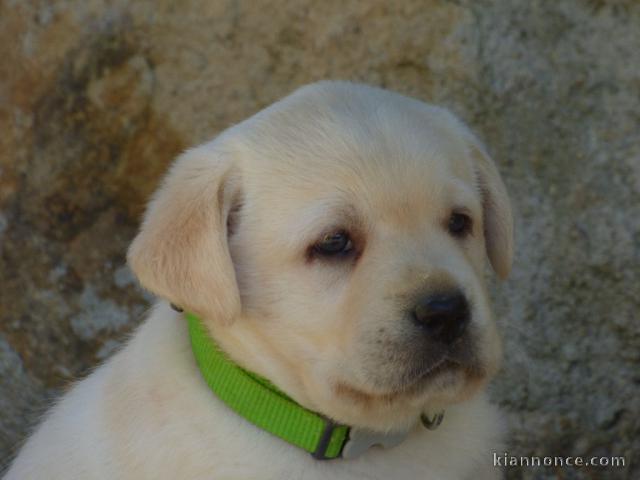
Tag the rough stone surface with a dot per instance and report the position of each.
(97, 97)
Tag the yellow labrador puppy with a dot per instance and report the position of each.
(324, 260)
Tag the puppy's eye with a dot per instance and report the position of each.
(334, 244)
(459, 225)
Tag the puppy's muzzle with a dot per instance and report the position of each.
(443, 317)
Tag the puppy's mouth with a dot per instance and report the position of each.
(416, 380)
(439, 375)
(420, 378)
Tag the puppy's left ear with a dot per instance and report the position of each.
(496, 210)
(181, 252)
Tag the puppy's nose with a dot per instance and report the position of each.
(444, 317)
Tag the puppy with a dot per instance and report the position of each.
(331, 248)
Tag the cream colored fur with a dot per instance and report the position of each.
(228, 236)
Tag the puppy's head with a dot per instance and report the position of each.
(335, 243)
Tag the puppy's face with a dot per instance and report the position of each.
(356, 224)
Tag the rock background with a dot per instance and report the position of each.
(97, 97)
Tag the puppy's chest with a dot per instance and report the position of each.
(290, 466)
(254, 454)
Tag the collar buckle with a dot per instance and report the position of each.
(358, 442)
(362, 440)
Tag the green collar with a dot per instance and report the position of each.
(260, 402)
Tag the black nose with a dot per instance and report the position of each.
(444, 316)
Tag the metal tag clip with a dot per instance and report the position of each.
(433, 422)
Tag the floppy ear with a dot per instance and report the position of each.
(181, 252)
(496, 211)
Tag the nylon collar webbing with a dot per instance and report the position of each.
(260, 402)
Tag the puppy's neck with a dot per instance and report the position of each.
(260, 402)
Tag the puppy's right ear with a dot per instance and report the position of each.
(181, 252)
